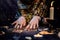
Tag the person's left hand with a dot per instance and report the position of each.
(20, 22)
(33, 23)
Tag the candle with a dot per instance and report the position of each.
(52, 13)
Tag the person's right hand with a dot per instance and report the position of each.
(34, 23)
(19, 23)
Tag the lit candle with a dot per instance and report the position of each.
(52, 13)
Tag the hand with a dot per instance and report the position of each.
(33, 23)
(19, 23)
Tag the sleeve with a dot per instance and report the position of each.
(21, 5)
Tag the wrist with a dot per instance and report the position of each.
(21, 17)
(38, 17)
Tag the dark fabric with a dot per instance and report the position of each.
(8, 9)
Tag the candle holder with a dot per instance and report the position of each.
(51, 24)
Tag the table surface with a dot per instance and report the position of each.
(21, 36)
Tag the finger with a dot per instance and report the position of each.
(24, 23)
(31, 26)
(20, 26)
(16, 25)
(37, 25)
(34, 27)
(27, 27)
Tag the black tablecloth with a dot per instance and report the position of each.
(21, 36)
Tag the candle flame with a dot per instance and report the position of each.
(52, 3)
